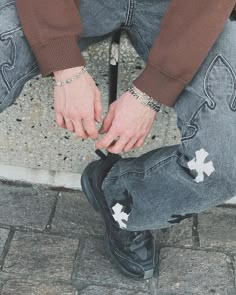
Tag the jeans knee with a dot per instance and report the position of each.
(210, 166)
(17, 61)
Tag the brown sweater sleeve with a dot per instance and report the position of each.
(52, 29)
(188, 31)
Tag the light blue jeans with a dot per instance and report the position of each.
(163, 186)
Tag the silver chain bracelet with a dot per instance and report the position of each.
(69, 80)
(145, 99)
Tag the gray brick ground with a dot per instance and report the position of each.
(234, 268)
(42, 263)
(15, 287)
(195, 272)
(41, 256)
(3, 237)
(217, 229)
(94, 268)
(28, 206)
(74, 215)
(92, 290)
(178, 235)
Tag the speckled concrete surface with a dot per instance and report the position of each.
(29, 136)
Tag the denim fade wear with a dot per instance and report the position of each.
(165, 185)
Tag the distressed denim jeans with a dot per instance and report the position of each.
(168, 184)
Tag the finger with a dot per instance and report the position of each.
(90, 127)
(140, 142)
(107, 121)
(130, 145)
(69, 125)
(60, 120)
(79, 130)
(118, 146)
(107, 140)
(98, 107)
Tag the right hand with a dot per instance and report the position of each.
(78, 104)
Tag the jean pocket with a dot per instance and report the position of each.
(17, 61)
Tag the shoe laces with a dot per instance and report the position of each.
(133, 241)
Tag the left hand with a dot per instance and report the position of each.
(127, 125)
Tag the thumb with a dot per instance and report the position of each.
(106, 125)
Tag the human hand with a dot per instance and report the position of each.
(128, 120)
(77, 104)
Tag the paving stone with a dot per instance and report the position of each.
(75, 215)
(177, 235)
(27, 205)
(234, 266)
(41, 256)
(98, 290)
(15, 287)
(195, 272)
(92, 290)
(3, 237)
(217, 229)
(173, 292)
(94, 268)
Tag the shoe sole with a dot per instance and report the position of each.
(87, 189)
(147, 274)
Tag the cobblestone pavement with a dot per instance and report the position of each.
(51, 243)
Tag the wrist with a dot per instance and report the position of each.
(61, 80)
(67, 73)
(138, 90)
(145, 99)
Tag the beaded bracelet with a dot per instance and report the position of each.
(145, 99)
(69, 80)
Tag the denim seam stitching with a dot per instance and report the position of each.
(162, 162)
(190, 124)
(159, 164)
(9, 66)
(16, 84)
(129, 13)
(206, 84)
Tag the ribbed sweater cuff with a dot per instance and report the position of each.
(159, 85)
(58, 54)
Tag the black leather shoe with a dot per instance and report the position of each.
(133, 252)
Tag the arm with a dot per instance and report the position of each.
(188, 31)
(52, 28)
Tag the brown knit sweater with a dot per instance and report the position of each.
(189, 29)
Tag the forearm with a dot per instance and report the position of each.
(52, 29)
(188, 31)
